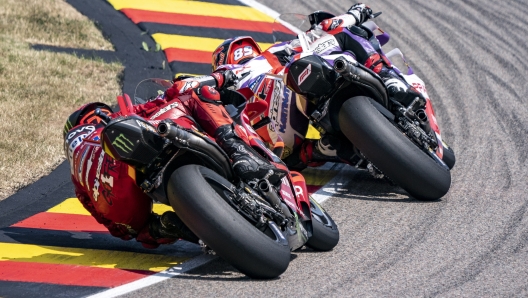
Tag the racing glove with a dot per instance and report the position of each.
(361, 12)
(220, 80)
(225, 79)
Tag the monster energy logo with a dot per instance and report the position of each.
(123, 143)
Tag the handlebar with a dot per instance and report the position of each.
(98, 112)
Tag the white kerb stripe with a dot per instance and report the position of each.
(259, 6)
(156, 278)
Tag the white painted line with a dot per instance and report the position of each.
(156, 278)
(321, 195)
(270, 12)
(259, 6)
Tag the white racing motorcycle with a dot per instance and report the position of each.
(350, 107)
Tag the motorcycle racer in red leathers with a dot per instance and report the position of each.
(107, 188)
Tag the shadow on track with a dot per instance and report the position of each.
(360, 185)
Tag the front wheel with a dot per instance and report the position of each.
(449, 156)
(391, 151)
(198, 196)
(325, 234)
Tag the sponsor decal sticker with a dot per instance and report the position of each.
(304, 74)
(325, 45)
(256, 82)
(298, 190)
(284, 110)
(276, 101)
(81, 165)
(146, 126)
(189, 85)
(86, 130)
(123, 143)
(163, 110)
(95, 189)
(89, 166)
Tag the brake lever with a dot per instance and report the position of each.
(375, 15)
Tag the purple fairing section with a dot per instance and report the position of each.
(248, 83)
(383, 38)
(280, 44)
(228, 66)
(410, 71)
(363, 42)
(253, 83)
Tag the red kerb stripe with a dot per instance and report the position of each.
(62, 222)
(72, 275)
(138, 16)
(182, 55)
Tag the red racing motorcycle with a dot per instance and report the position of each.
(253, 225)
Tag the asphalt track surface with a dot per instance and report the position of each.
(474, 241)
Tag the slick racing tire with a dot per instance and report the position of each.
(449, 157)
(198, 196)
(391, 151)
(325, 234)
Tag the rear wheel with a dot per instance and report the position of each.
(198, 195)
(391, 151)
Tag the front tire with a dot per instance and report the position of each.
(325, 234)
(391, 151)
(203, 208)
(449, 157)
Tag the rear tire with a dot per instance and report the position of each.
(203, 208)
(391, 151)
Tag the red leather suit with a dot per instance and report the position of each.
(107, 187)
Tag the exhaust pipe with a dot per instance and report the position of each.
(167, 130)
(207, 149)
(269, 195)
(343, 67)
(422, 118)
(272, 197)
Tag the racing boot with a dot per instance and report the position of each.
(315, 153)
(247, 163)
(312, 153)
(401, 92)
(170, 226)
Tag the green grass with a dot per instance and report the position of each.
(39, 89)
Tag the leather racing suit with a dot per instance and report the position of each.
(107, 188)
